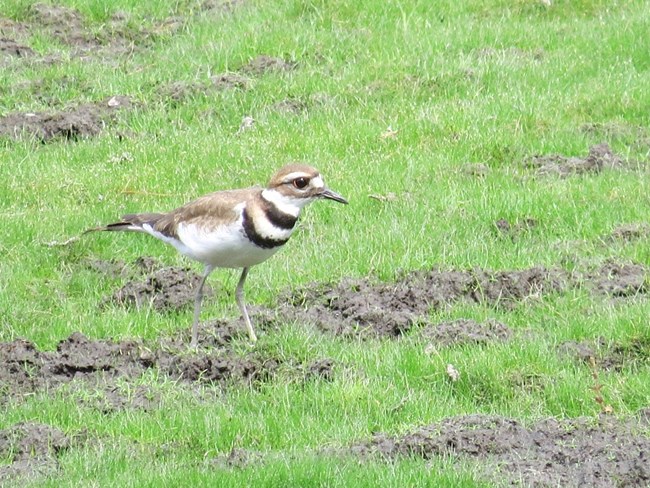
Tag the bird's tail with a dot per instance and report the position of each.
(129, 223)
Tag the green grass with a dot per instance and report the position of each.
(461, 82)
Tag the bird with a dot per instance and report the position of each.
(233, 228)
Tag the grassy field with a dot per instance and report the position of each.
(423, 114)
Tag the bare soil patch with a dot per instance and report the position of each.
(365, 308)
(32, 449)
(515, 229)
(598, 452)
(600, 157)
(263, 64)
(10, 48)
(180, 91)
(631, 232)
(609, 355)
(619, 279)
(118, 36)
(25, 370)
(361, 307)
(166, 289)
(86, 120)
(466, 331)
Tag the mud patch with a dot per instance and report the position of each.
(600, 157)
(86, 120)
(600, 452)
(31, 449)
(465, 331)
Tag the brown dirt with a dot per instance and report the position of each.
(600, 157)
(609, 356)
(180, 91)
(631, 232)
(465, 331)
(31, 449)
(263, 64)
(364, 308)
(10, 48)
(25, 370)
(595, 452)
(83, 121)
(166, 289)
(620, 279)
(117, 37)
(361, 307)
(514, 230)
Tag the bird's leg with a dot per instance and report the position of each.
(239, 296)
(197, 307)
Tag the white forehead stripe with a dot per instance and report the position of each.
(296, 174)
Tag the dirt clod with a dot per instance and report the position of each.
(620, 279)
(631, 232)
(600, 157)
(606, 355)
(263, 64)
(25, 370)
(360, 307)
(166, 289)
(464, 331)
(83, 121)
(600, 452)
(31, 448)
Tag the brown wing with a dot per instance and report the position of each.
(209, 211)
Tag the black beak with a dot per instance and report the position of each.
(332, 195)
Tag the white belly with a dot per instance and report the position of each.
(224, 247)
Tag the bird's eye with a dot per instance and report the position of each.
(300, 183)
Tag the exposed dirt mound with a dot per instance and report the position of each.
(609, 356)
(601, 452)
(180, 91)
(600, 157)
(263, 64)
(356, 307)
(166, 289)
(365, 308)
(83, 121)
(9, 47)
(31, 449)
(115, 37)
(517, 228)
(25, 370)
(464, 331)
(620, 279)
(631, 232)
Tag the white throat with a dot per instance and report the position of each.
(285, 204)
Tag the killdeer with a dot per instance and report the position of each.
(234, 228)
